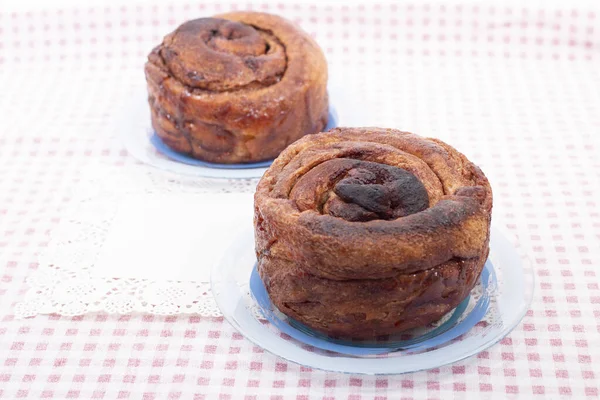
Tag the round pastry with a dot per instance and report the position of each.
(236, 88)
(367, 232)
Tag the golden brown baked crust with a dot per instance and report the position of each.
(236, 88)
(364, 232)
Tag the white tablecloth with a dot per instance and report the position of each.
(515, 88)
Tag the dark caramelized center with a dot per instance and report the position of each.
(377, 191)
(357, 190)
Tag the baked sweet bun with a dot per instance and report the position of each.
(367, 232)
(236, 88)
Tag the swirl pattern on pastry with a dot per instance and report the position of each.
(236, 88)
(362, 232)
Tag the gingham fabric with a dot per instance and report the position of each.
(516, 89)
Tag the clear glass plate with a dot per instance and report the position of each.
(495, 306)
(138, 137)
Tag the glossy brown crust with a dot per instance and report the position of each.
(369, 308)
(236, 88)
(362, 232)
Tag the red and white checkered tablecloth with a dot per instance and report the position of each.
(516, 88)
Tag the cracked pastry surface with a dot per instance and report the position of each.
(367, 232)
(236, 88)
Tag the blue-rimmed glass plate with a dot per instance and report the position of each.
(494, 307)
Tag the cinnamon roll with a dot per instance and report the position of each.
(368, 232)
(236, 88)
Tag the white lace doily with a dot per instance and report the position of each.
(65, 282)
